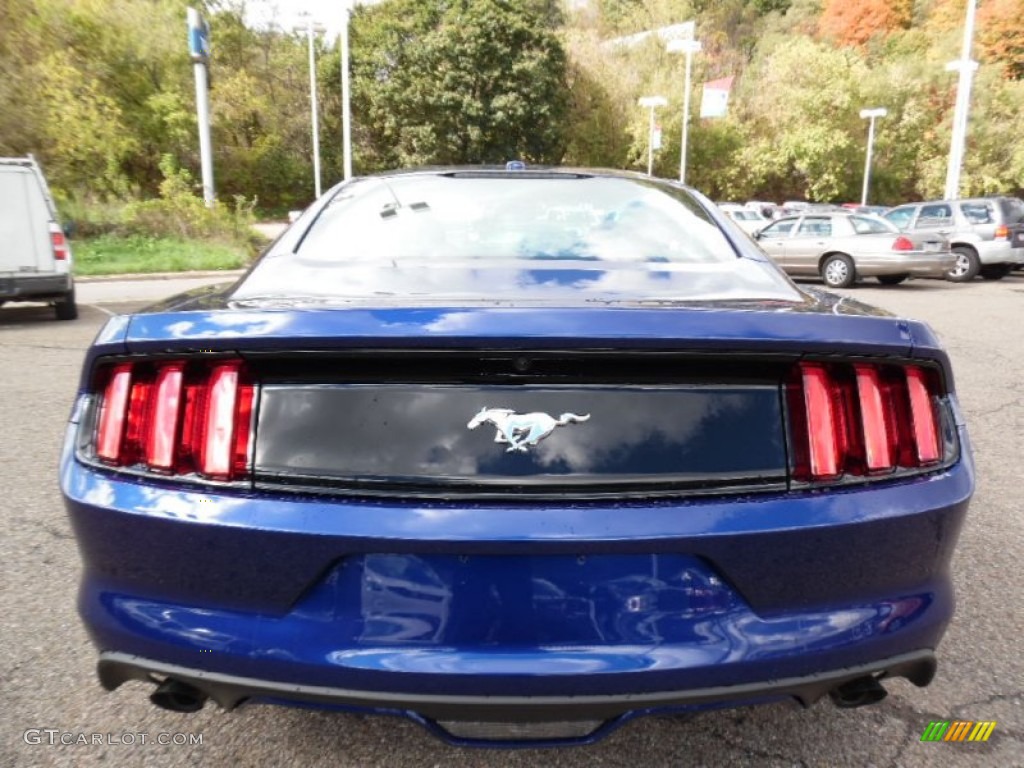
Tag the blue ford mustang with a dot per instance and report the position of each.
(519, 455)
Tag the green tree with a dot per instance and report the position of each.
(801, 104)
(474, 81)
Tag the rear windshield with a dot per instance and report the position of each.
(469, 217)
(871, 225)
(1013, 210)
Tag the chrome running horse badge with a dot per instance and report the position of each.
(522, 430)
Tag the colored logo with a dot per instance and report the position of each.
(958, 730)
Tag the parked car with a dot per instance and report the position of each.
(843, 247)
(520, 455)
(767, 209)
(985, 233)
(748, 219)
(35, 257)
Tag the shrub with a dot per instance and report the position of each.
(179, 213)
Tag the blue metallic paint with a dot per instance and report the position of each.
(535, 598)
(173, 574)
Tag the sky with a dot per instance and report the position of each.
(289, 13)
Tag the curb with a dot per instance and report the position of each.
(227, 274)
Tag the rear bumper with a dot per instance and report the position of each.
(229, 691)
(999, 252)
(34, 288)
(440, 610)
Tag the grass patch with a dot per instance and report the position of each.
(116, 255)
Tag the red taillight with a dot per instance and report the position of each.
(878, 448)
(822, 434)
(113, 409)
(862, 419)
(1002, 232)
(177, 417)
(59, 244)
(903, 244)
(217, 449)
(922, 416)
(163, 428)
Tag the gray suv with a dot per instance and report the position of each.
(986, 233)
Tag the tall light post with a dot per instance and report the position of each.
(870, 115)
(346, 106)
(199, 50)
(687, 47)
(312, 28)
(966, 68)
(652, 103)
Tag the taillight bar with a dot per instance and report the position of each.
(863, 419)
(878, 448)
(922, 413)
(163, 431)
(176, 417)
(821, 422)
(113, 410)
(216, 450)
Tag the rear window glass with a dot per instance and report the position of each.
(1013, 210)
(900, 217)
(871, 225)
(934, 216)
(479, 218)
(978, 213)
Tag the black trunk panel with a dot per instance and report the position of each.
(418, 435)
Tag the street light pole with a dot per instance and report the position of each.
(652, 103)
(687, 47)
(346, 107)
(966, 68)
(871, 115)
(313, 108)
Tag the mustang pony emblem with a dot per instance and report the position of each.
(521, 430)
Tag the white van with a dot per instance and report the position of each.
(35, 258)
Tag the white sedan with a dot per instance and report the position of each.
(748, 219)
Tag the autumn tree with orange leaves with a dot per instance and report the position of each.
(1001, 35)
(853, 23)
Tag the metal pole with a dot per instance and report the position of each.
(651, 103)
(686, 117)
(650, 144)
(346, 110)
(202, 114)
(205, 151)
(966, 69)
(687, 47)
(314, 116)
(867, 162)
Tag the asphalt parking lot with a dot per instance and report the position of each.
(47, 676)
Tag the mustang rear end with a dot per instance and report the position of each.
(522, 521)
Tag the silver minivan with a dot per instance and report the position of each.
(35, 258)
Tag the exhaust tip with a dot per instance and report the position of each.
(177, 696)
(858, 693)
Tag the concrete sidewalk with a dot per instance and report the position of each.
(147, 288)
(227, 274)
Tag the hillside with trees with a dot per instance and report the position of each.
(101, 91)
